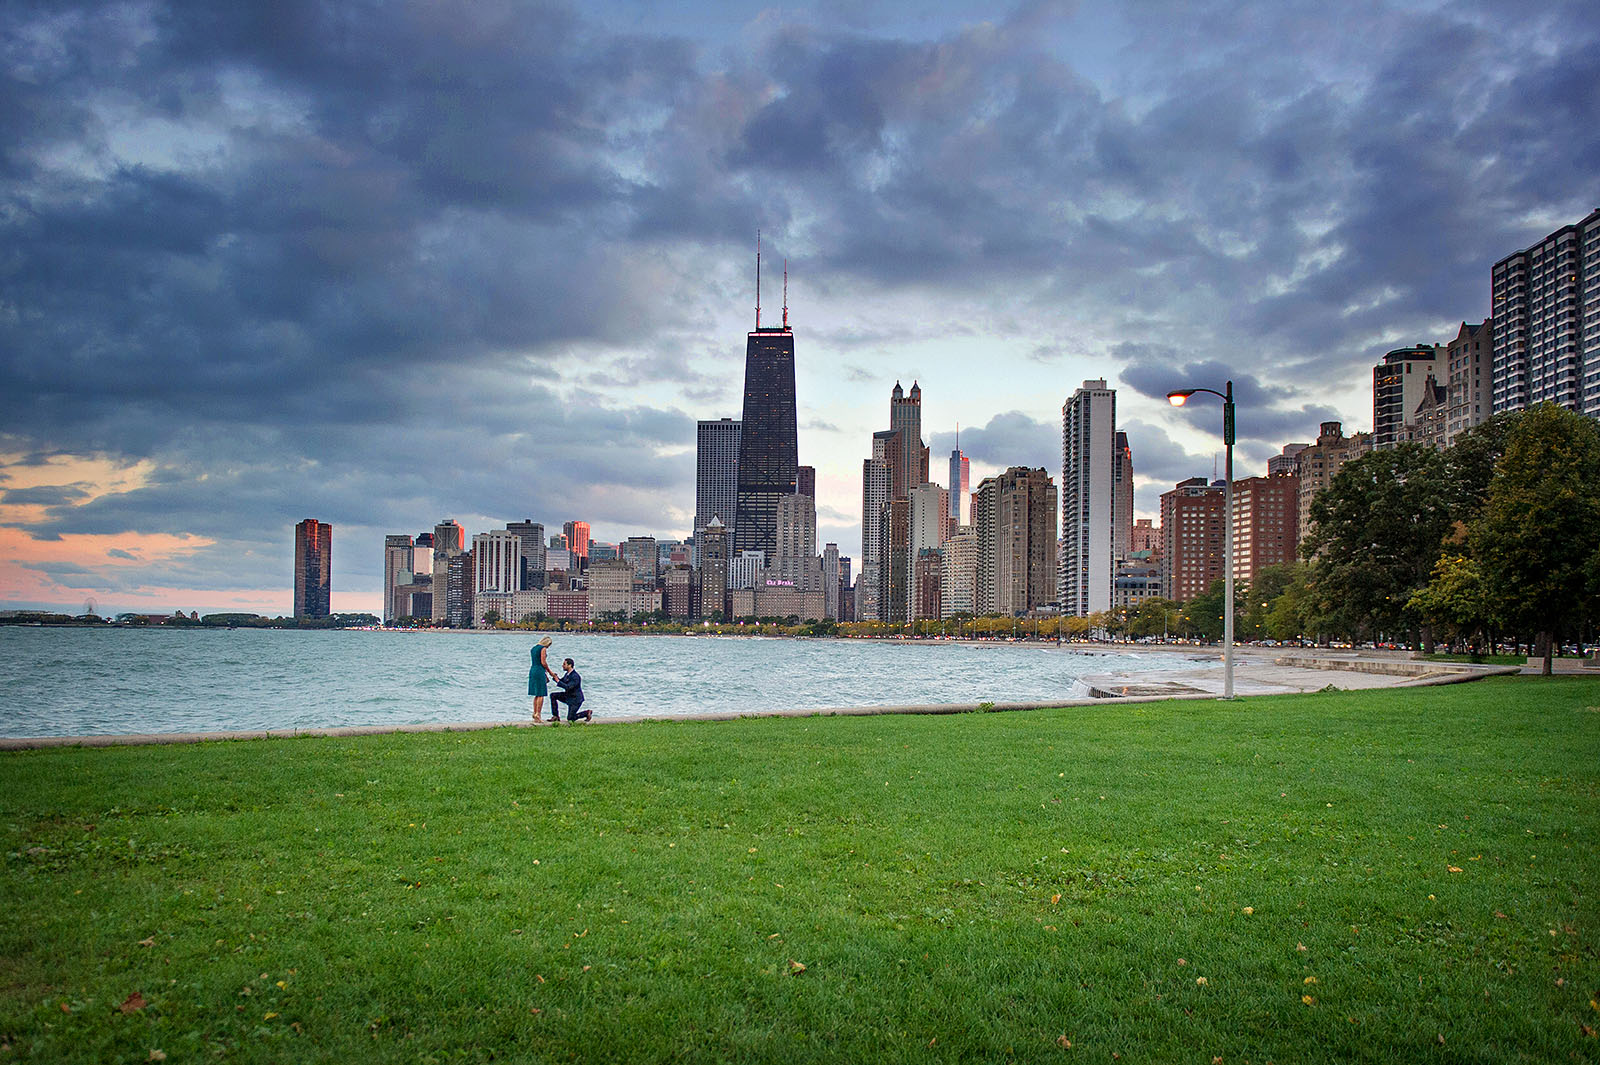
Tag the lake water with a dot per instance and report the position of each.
(82, 682)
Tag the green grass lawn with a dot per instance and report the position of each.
(1374, 876)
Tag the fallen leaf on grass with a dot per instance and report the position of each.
(1453, 868)
(1055, 899)
(1248, 910)
(1063, 1042)
(157, 1055)
(1587, 1031)
(65, 1008)
(796, 967)
(1202, 981)
(148, 942)
(1308, 1000)
(132, 1003)
(1301, 947)
(1311, 979)
(535, 1010)
(1500, 915)
(932, 1041)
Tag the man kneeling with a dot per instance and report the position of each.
(571, 693)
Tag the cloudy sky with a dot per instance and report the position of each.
(384, 263)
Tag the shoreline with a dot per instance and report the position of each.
(1256, 675)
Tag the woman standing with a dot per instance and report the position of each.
(539, 676)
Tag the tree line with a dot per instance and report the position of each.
(1494, 539)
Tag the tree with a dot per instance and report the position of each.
(1472, 460)
(1257, 599)
(491, 618)
(1541, 523)
(1378, 528)
(1457, 597)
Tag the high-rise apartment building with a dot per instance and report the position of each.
(1284, 462)
(929, 527)
(1546, 309)
(716, 478)
(712, 545)
(768, 437)
(894, 572)
(1015, 516)
(577, 534)
(449, 540)
(876, 485)
(1317, 464)
(456, 590)
(960, 572)
(1121, 497)
(830, 581)
(1088, 499)
(1191, 524)
(805, 481)
(1145, 537)
(1469, 370)
(1399, 384)
(795, 561)
(1266, 523)
(640, 553)
(497, 563)
(399, 553)
(532, 551)
(313, 569)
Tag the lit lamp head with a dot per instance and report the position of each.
(1178, 399)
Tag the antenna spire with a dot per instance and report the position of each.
(758, 279)
(786, 293)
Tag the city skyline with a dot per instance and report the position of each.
(293, 283)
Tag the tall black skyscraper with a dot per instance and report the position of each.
(768, 439)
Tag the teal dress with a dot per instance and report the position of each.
(538, 681)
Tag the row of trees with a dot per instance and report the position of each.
(1497, 537)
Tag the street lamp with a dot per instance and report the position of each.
(1177, 399)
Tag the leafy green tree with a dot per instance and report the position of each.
(1252, 616)
(1472, 460)
(1377, 530)
(1541, 524)
(1157, 617)
(1457, 598)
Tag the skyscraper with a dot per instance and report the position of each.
(1191, 525)
(449, 540)
(1547, 321)
(796, 558)
(960, 480)
(313, 569)
(530, 536)
(577, 534)
(1121, 497)
(712, 545)
(1088, 494)
(1399, 383)
(905, 418)
(875, 486)
(1015, 517)
(716, 480)
(927, 530)
(1266, 523)
(805, 481)
(769, 445)
(399, 553)
(1469, 358)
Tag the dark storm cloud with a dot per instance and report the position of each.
(1009, 439)
(328, 258)
(1265, 412)
(45, 495)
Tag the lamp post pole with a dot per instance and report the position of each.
(1227, 543)
(1177, 399)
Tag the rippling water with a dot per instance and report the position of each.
(81, 682)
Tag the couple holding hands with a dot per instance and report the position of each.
(569, 683)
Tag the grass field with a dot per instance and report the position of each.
(1379, 876)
